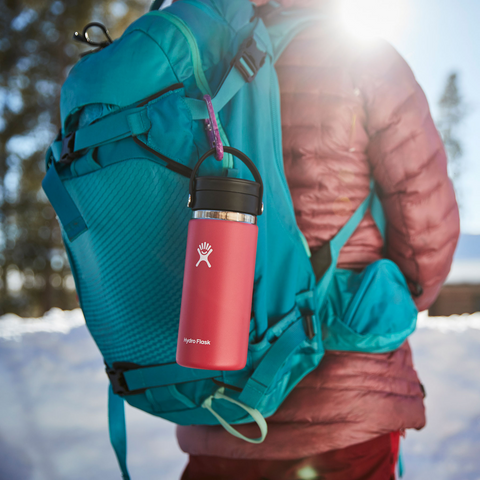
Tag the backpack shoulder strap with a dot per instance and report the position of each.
(244, 67)
(284, 24)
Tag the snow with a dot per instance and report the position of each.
(453, 323)
(13, 327)
(53, 404)
(447, 357)
(54, 419)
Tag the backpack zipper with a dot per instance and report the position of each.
(199, 74)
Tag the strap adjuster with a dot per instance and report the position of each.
(309, 326)
(249, 59)
(117, 378)
(68, 154)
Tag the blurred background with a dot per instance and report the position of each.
(53, 409)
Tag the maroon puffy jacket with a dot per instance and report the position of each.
(350, 111)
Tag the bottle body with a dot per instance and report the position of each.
(217, 294)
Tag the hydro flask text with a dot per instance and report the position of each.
(197, 341)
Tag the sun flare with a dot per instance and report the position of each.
(374, 18)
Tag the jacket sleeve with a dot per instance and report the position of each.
(409, 165)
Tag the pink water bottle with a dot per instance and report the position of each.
(219, 269)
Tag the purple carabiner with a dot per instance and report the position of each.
(211, 128)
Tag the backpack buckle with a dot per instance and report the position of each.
(117, 378)
(249, 59)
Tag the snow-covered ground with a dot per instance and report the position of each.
(53, 419)
(53, 408)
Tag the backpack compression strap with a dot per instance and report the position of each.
(71, 218)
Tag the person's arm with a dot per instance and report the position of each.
(409, 165)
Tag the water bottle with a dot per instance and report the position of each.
(219, 269)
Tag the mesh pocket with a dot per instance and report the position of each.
(129, 265)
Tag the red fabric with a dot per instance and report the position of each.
(372, 460)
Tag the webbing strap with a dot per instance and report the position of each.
(109, 129)
(161, 375)
(56, 149)
(336, 244)
(376, 209)
(255, 414)
(68, 213)
(232, 84)
(378, 215)
(118, 430)
(112, 128)
(347, 230)
(273, 361)
(401, 468)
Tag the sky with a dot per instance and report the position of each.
(437, 37)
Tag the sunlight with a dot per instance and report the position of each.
(374, 18)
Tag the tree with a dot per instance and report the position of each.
(36, 53)
(452, 112)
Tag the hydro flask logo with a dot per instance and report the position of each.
(204, 250)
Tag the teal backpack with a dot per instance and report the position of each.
(133, 128)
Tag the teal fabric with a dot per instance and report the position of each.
(370, 311)
(401, 468)
(118, 430)
(265, 373)
(229, 88)
(376, 210)
(165, 375)
(128, 264)
(73, 222)
(56, 150)
(112, 128)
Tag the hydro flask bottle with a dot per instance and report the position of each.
(219, 269)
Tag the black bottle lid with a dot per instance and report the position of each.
(226, 194)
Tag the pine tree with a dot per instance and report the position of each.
(452, 112)
(36, 53)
